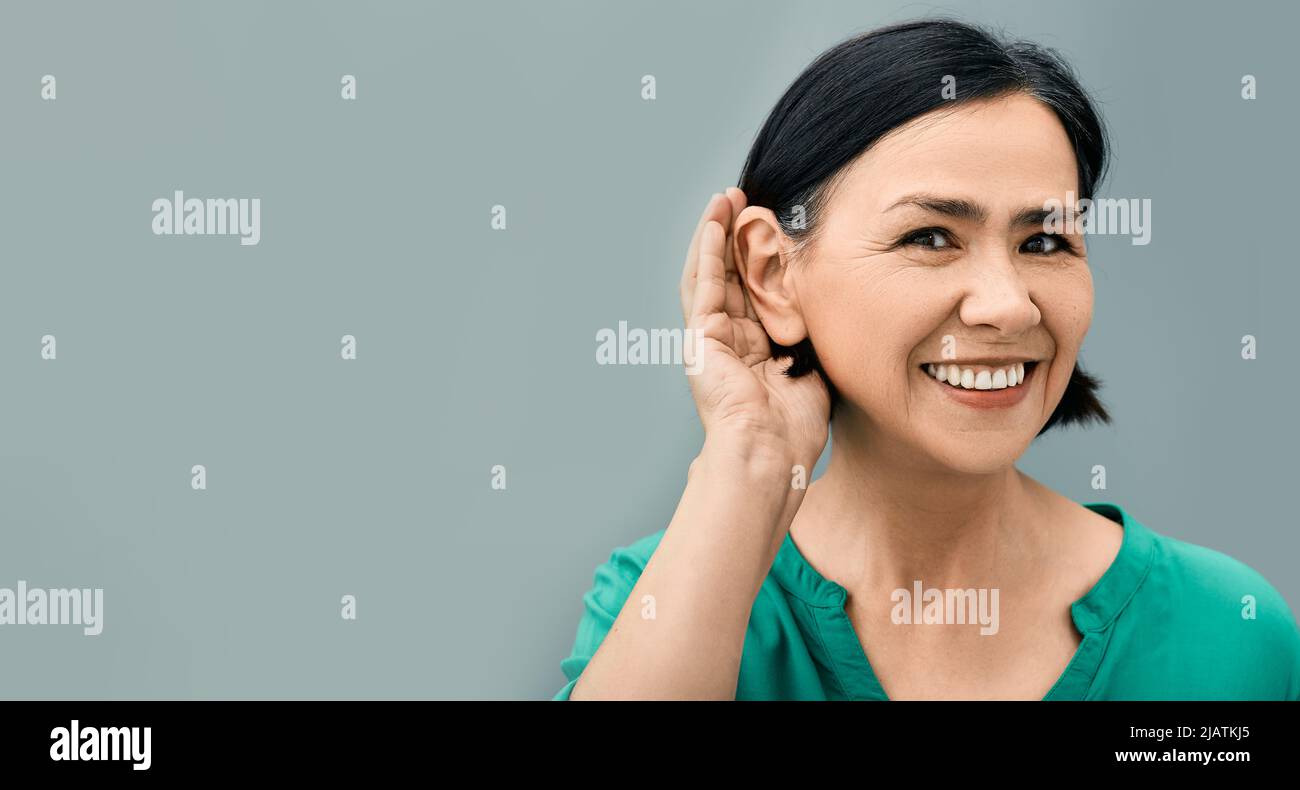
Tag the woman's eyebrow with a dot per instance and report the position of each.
(970, 211)
(1031, 216)
(957, 208)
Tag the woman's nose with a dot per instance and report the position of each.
(996, 295)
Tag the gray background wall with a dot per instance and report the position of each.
(476, 347)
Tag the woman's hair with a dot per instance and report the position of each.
(855, 93)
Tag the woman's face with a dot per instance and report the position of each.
(932, 252)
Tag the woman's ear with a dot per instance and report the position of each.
(761, 251)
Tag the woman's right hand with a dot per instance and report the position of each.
(740, 391)
(738, 503)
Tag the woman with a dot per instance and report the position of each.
(887, 267)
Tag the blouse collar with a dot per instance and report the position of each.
(1095, 610)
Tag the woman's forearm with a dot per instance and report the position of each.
(702, 579)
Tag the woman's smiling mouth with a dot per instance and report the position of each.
(988, 384)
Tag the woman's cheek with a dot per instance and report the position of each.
(1065, 301)
(839, 333)
(1068, 308)
(842, 338)
(864, 334)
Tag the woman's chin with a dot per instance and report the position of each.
(978, 455)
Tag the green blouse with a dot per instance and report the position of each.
(1168, 620)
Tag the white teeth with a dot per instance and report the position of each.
(969, 378)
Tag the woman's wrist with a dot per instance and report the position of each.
(759, 476)
(735, 512)
(749, 455)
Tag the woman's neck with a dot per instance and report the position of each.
(882, 516)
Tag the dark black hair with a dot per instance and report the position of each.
(861, 89)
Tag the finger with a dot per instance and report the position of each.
(737, 198)
(714, 210)
(742, 307)
(735, 281)
(749, 308)
(692, 256)
(711, 276)
(757, 344)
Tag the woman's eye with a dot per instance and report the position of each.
(1045, 244)
(930, 237)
